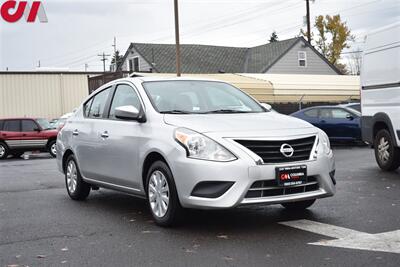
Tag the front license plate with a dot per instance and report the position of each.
(293, 175)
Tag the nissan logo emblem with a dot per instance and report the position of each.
(287, 150)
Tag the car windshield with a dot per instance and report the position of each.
(45, 124)
(199, 97)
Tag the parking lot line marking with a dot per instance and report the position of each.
(348, 238)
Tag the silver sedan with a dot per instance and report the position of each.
(192, 143)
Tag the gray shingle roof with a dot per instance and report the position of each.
(195, 58)
(214, 59)
(262, 57)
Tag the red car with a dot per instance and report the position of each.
(18, 135)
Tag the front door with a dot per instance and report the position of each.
(120, 140)
(32, 137)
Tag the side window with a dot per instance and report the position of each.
(86, 107)
(28, 126)
(1, 125)
(12, 126)
(325, 113)
(98, 104)
(339, 113)
(124, 96)
(312, 113)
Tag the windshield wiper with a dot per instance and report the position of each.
(227, 111)
(175, 111)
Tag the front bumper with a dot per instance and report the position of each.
(243, 173)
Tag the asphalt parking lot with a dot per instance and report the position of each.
(41, 226)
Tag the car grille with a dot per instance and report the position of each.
(270, 188)
(269, 151)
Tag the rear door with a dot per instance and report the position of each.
(31, 135)
(11, 133)
(325, 122)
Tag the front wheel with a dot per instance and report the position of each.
(387, 155)
(52, 148)
(77, 188)
(299, 205)
(162, 196)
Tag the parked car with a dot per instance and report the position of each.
(380, 95)
(18, 135)
(192, 143)
(53, 123)
(62, 120)
(338, 122)
(355, 106)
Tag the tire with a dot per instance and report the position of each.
(4, 150)
(51, 147)
(387, 155)
(298, 205)
(77, 188)
(165, 213)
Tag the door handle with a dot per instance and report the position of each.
(104, 134)
(75, 132)
(23, 134)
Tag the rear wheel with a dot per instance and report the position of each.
(299, 205)
(77, 188)
(162, 196)
(387, 155)
(51, 147)
(4, 151)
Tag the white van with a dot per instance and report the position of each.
(380, 95)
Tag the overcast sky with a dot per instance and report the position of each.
(77, 31)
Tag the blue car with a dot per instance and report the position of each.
(339, 123)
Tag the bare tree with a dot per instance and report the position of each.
(355, 61)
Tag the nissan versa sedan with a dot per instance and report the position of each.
(192, 143)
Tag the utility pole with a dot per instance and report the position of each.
(38, 64)
(86, 67)
(104, 58)
(115, 54)
(115, 45)
(308, 21)
(178, 48)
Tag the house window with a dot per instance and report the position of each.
(134, 64)
(302, 58)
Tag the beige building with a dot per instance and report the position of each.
(41, 94)
(52, 94)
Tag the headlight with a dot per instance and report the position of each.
(199, 146)
(324, 139)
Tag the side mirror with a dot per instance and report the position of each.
(37, 129)
(350, 117)
(268, 107)
(129, 113)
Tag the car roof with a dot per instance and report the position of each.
(19, 118)
(164, 78)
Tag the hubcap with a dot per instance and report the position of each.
(158, 193)
(72, 176)
(53, 149)
(383, 150)
(2, 151)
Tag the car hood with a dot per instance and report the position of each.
(245, 122)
